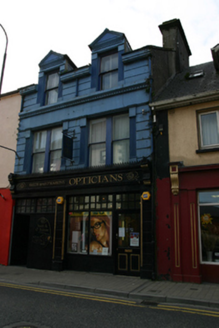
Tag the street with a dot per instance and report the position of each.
(29, 306)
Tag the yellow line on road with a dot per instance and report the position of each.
(70, 294)
(186, 310)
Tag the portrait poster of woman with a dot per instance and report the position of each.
(100, 233)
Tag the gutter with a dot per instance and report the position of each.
(186, 100)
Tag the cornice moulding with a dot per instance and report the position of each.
(81, 100)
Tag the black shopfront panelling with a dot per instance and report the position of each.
(132, 178)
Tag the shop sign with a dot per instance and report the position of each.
(131, 176)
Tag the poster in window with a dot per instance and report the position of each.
(121, 232)
(134, 239)
(100, 233)
(78, 232)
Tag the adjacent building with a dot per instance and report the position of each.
(10, 104)
(187, 170)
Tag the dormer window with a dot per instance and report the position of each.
(109, 71)
(52, 88)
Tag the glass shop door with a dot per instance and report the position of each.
(128, 244)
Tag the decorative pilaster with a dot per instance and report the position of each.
(174, 178)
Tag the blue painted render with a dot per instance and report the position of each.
(80, 100)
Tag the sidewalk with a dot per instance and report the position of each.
(204, 294)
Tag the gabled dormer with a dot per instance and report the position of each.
(49, 85)
(107, 66)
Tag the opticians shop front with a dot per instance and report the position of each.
(96, 219)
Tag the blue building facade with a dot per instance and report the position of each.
(83, 182)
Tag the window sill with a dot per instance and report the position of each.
(207, 150)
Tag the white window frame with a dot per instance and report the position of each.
(201, 132)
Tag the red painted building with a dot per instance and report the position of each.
(9, 107)
(6, 210)
(187, 163)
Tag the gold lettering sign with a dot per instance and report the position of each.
(90, 180)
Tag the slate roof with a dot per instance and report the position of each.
(181, 85)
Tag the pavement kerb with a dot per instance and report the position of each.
(134, 294)
(87, 289)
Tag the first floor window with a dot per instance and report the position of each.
(97, 142)
(209, 128)
(209, 225)
(120, 139)
(109, 140)
(47, 148)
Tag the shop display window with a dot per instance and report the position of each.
(209, 225)
(90, 222)
(90, 232)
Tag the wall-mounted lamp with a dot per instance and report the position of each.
(143, 111)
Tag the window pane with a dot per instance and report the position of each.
(38, 163)
(209, 222)
(56, 139)
(209, 197)
(55, 160)
(52, 96)
(121, 151)
(39, 144)
(121, 127)
(109, 80)
(52, 81)
(78, 232)
(109, 63)
(210, 135)
(98, 154)
(100, 233)
(97, 131)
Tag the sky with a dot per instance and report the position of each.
(69, 26)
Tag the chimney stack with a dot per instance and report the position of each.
(215, 55)
(174, 38)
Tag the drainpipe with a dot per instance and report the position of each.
(153, 192)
